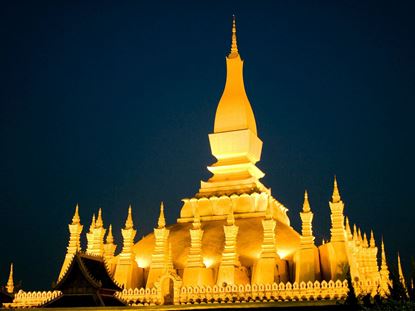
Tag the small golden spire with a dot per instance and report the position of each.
(384, 271)
(92, 226)
(234, 45)
(110, 237)
(129, 221)
(359, 235)
(355, 232)
(99, 223)
(335, 198)
(365, 244)
(372, 239)
(306, 204)
(323, 242)
(10, 282)
(162, 220)
(348, 231)
(383, 253)
(401, 277)
(76, 219)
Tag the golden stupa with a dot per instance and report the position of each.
(233, 241)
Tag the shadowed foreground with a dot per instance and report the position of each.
(297, 306)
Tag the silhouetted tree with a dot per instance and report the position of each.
(397, 291)
(351, 298)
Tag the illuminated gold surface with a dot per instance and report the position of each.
(234, 110)
(233, 239)
(249, 241)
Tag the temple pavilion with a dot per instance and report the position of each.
(233, 241)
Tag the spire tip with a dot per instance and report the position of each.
(162, 220)
(336, 194)
(129, 221)
(76, 219)
(234, 46)
(306, 204)
(10, 281)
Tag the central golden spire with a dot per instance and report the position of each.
(234, 142)
(234, 110)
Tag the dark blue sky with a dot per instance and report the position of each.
(108, 104)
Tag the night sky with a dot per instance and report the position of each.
(109, 104)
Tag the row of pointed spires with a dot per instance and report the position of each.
(129, 224)
(335, 198)
(357, 235)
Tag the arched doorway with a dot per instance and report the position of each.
(168, 288)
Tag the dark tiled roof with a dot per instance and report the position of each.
(86, 283)
(5, 297)
(86, 270)
(98, 271)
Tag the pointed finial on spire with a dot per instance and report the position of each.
(359, 235)
(306, 204)
(372, 239)
(92, 226)
(129, 221)
(348, 231)
(234, 45)
(76, 219)
(401, 277)
(365, 244)
(99, 223)
(162, 220)
(355, 236)
(110, 237)
(335, 198)
(383, 252)
(10, 282)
